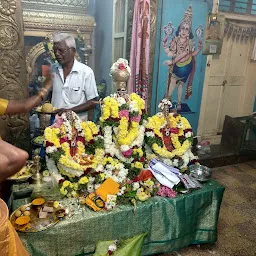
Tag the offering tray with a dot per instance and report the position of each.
(46, 113)
(36, 224)
(22, 175)
(35, 141)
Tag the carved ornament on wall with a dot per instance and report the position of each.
(8, 7)
(53, 21)
(12, 71)
(59, 5)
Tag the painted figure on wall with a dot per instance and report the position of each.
(181, 49)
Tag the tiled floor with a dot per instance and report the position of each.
(237, 221)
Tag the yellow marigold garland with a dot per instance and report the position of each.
(51, 135)
(80, 148)
(156, 122)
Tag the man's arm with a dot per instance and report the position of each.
(16, 107)
(88, 105)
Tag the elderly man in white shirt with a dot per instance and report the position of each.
(74, 86)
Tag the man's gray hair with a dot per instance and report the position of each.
(69, 39)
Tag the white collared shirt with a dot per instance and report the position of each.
(79, 87)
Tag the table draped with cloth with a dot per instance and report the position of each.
(171, 224)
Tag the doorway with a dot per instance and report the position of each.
(229, 87)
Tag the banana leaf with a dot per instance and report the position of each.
(129, 247)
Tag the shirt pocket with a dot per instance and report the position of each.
(75, 94)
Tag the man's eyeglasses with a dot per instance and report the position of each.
(61, 51)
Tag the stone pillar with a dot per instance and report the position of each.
(13, 84)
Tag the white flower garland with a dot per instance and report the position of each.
(110, 146)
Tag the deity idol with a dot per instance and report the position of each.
(182, 52)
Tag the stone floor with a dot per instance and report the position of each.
(237, 222)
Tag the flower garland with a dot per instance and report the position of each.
(66, 140)
(120, 148)
(122, 116)
(174, 129)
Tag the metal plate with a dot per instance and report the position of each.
(36, 224)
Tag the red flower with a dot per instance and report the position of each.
(175, 130)
(93, 174)
(113, 119)
(61, 181)
(62, 140)
(89, 169)
(49, 144)
(81, 139)
(144, 175)
(127, 153)
(182, 137)
(91, 142)
(142, 159)
(135, 179)
(121, 66)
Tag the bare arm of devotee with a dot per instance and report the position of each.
(12, 159)
(16, 107)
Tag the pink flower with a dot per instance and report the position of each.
(121, 66)
(128, 181)
(127, 153)
(57, 122)
(124, 113)
(166, 192)
(136, 118)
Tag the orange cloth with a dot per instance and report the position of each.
(108, 187)
(3, 106)
(10, 244)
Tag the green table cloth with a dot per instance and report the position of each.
(170, 223)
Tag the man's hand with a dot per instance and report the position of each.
(95, 101)
(61, 111)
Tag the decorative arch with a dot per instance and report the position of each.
(32, 56)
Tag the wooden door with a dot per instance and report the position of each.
(230, 82)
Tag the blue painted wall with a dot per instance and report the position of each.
(103, 39)
(173, 10)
